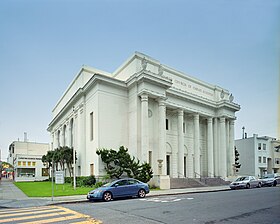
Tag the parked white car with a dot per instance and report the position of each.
(245, 182)
(269, 180)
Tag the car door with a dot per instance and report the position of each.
(132, 187)
(253, 181)
(119, 189)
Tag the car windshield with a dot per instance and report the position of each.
(242, 178)
(106, 185)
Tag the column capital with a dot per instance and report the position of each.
(231, 122)
(144, 97)
(180, 112)
(222, 119)
(210, 120)
(196, 116)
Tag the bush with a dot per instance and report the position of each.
(87, 181)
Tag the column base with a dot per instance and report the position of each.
(161, 181)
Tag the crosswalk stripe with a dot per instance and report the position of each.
(26, 213)
(45, 214)
(9, 210)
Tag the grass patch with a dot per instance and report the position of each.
(44, 189)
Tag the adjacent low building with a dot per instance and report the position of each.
(26, 158)
(182, 126)
(258, 155)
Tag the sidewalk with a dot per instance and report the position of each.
(13, 197)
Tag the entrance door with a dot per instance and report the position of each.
(168, 164)
(91, 169)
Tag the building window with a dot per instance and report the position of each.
(45, 172)
(24, 163)
(26, 172)
(19, 163)
(277, 160)
(91, 126)
(264, 159)
(33, 163)
(28, 163)
(259, 146)
(260, 159)
(166, 124)
(264, 146)
(150, 157)
(184, 127)
(92, 169)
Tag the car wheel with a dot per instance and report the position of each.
(259, 185)
(248, 186)
(274, 183)
(141, 193)
(107, 196)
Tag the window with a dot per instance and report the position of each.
(24, 163)
(150, 157)
(19, 163)
(166, 124)
(33, 163)
(264, 159)
(91, 126)
(28, 163)
(45, 172)
(184, 127)
(259, 146)
(168, 164)
(264, 146)
(277, 160)
(92, 169)
(260, 159)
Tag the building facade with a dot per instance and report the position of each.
(182, 126)
(26, 158)
(258, 155)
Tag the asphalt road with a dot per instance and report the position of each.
(258, 206)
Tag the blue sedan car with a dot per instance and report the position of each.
(127, 187)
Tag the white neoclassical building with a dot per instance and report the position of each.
(182, 126)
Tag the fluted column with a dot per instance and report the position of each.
(223, 155)
(216, 148)
(196, 146)
(180, 144)
(162, 138)
(210, 147)
(144, 127)
(231, 146)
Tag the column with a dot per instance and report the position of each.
(216, 148)
(196, 146)
(223, 155)
(162, 138)
(144, 127)
(180, 144)
(210, 147)
(231, 146)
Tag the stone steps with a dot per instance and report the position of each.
(176, 183)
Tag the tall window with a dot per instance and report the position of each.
(264, 146)
(260, 159)
(150, 157)
(264, 159)
(259, 146)
(168, 164)
(184, 127)
(91, 126)
(64, 135)
(58, 138)
(166, 124)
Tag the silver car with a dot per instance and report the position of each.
(245, 182)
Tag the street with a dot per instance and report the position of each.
(235, 206)
(258, 205)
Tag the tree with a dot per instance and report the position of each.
(237, 165)
(119, 163)
(60, 156)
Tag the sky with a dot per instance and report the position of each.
(43, 44)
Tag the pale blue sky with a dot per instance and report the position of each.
(43, 44)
